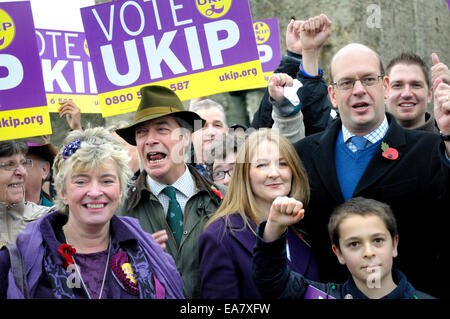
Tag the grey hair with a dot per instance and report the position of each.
(207, 104)
(97, 145)
(12, 147)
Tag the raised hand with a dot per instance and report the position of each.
(442, 108)
(439, 70)
(277, 82)
(314, 32)
(72, 113)
(284, 212)
(293, 43)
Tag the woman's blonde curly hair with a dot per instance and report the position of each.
(97, 146)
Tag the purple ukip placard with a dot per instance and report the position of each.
(21, 82)
(267, 34)
(138, 42)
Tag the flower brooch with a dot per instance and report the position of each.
(388, 152)
(71, 148)
(123, 272)
(218, 193)
(67, 252)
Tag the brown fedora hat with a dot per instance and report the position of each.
(158, 101)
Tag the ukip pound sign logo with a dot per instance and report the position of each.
(262, 32)
(10, 63)
(213, 9)
(7, 30)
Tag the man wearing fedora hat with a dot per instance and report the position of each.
(42, 156)
(169, 188)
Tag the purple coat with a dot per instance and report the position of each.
(43, 263)
(225, 256)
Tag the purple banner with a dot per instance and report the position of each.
(21, 83)
(315, 293)
(66, 63)
(139, 42)
(267, 35)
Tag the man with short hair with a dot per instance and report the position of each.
(215, 127)
(366, 153)
(171, 199)
(410, 91)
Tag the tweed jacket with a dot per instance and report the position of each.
(144, 206)
(415, 185)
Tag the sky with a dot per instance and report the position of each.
(58, 14)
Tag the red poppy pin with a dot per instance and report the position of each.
(67, 251)
(389, 152)
(217, 192)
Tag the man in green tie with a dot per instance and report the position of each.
(170, 198)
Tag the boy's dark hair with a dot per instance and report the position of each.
(409, 58)
(363, 207)
(11, 147)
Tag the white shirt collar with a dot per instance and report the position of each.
(184, 184)
(373, 137)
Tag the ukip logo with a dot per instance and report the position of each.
(86, 49)
(7, 30)
(213, 9)
(262, 32)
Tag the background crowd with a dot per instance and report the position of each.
(177, 204)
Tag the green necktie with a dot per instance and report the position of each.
(174, 214)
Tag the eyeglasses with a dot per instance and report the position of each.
(219, 175)
(12, 166)
(348, 84)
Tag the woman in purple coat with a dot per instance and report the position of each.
(83, 250)
(266, 167)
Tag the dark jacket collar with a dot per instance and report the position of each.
(141, 190)
(404, 289)
(395, 137)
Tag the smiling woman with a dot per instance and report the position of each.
(85, 251)
(15, 213)
(266, 168)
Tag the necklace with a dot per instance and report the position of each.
(104, 275)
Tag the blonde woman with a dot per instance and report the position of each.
(266, 167)
(83, 250)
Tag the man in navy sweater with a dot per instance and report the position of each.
(366, 153)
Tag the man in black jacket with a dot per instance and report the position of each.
(407, 169)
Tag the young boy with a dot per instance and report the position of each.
(364, 237)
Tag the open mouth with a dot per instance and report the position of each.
(360, 105)
(156, 157)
